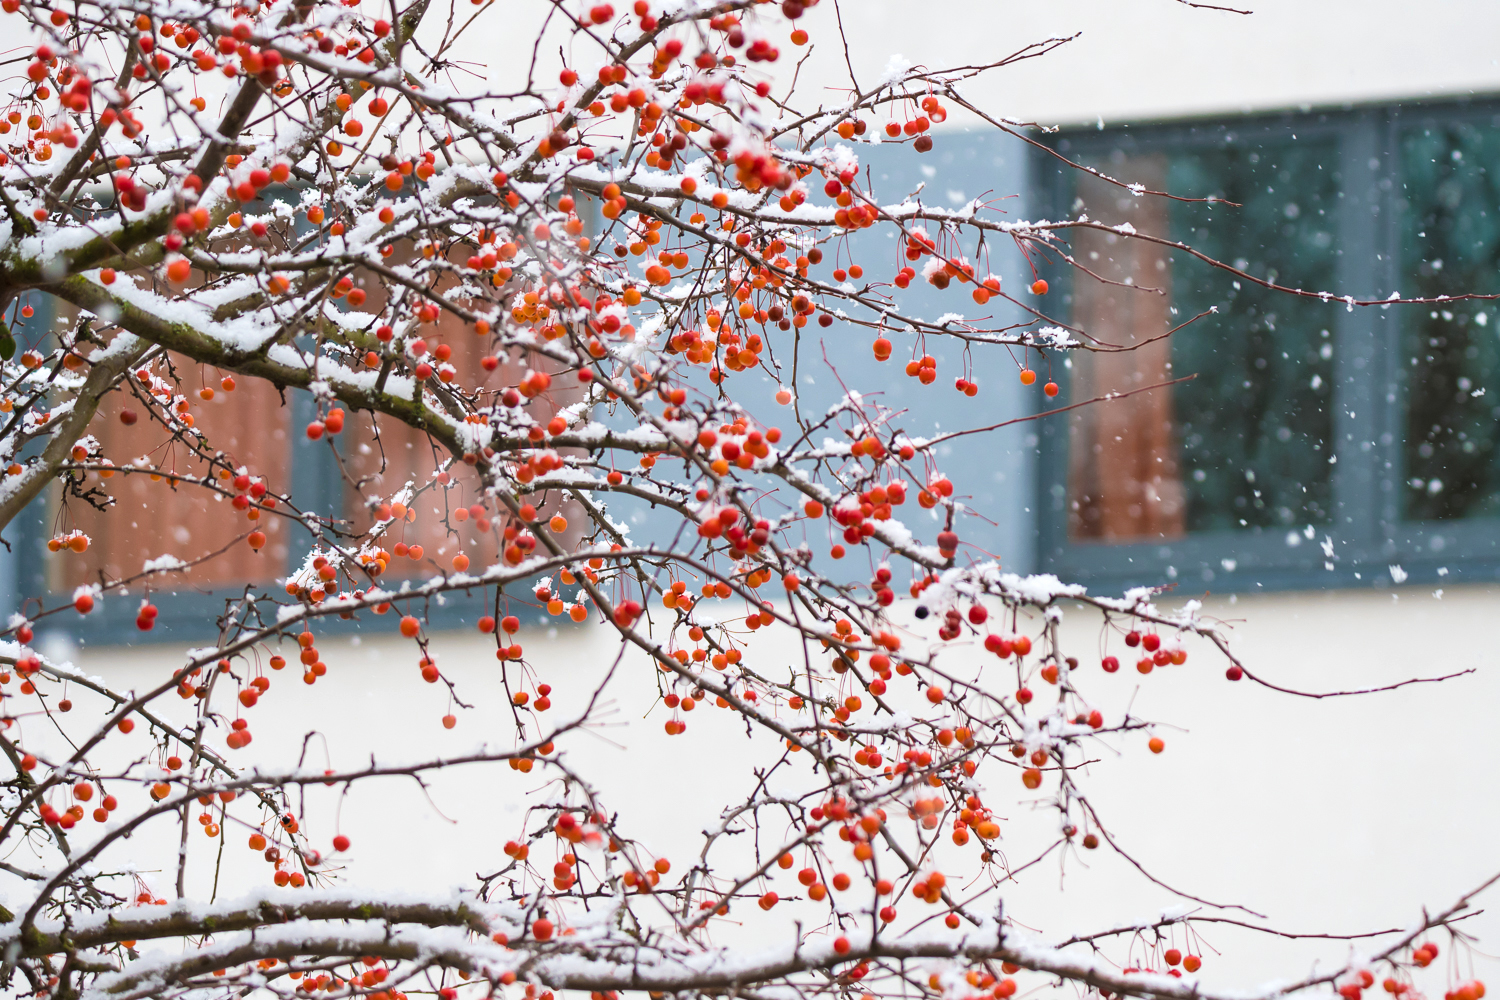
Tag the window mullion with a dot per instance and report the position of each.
(1357, 346)
(316, 485)
(1385, 375)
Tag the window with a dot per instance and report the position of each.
(1450, 241)
(1315, 445)
(153, 517)
(381, 464)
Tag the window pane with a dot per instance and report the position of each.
(152, 518)
(1124, 479)
(1246, 444)
(375, 467)
(379, 466)
(1450, 222)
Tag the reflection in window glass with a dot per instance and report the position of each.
(1246, 445)
(1450, 242)
(150, 517)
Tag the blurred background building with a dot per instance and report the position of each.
(1317, 445)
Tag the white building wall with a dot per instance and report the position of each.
(1145, 59)
(1337, 816)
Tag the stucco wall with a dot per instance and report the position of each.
(1336, 815)
(1159, 58)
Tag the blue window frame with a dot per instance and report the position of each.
(1318, 445)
